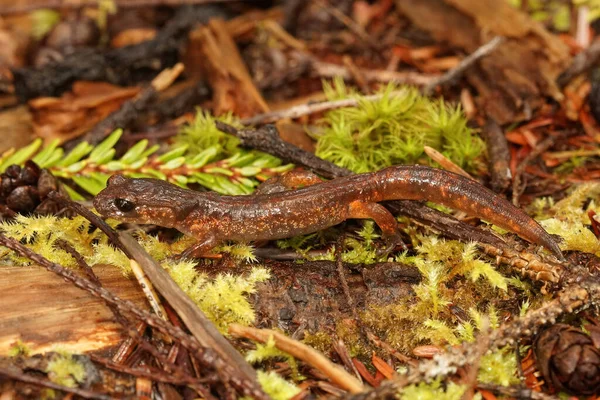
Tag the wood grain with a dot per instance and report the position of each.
(45, 312)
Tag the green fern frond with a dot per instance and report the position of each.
(201, 154)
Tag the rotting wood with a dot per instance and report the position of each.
(514, 79)
(44, 311)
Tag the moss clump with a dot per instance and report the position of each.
(434, 391)
(569, 218)
(65, 370)
(393, 130)
(202, 133)
(276, 387)
(499, 367)
(222, 298)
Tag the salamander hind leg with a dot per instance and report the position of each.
(383, 218)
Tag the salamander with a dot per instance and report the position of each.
(276, 213)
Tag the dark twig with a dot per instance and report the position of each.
(499, 155)
(132, 108)
(195, 320)
(93, 218)
(456, 72)
(208, 357)
(159, 376)
(339, 264)
(581, 63)
(121, 66)
(12, 372)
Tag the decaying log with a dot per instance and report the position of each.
(44, 312)
(514, 79)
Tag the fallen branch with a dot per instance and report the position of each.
(456, 72)
(302, 352)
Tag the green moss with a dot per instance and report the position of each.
(393, 130)
(434, 391)
(65, 370)
(276, 387)
(223, 298)
(19, 349)
(269, 350)
(202, 133)
(320, 340)
(499, 367)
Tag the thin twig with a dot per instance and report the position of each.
(307, 109)
(303, 352)
(329, 70)
(499, 155)
(93, 218)
(18, 375)
(466, 63)
(581, 63)
(208, 357)
(195, 320)
(350, 24)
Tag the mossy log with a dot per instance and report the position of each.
(45, 312)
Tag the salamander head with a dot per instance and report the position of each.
(144, 201)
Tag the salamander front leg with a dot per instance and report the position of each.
(383, 218)
(198, 249)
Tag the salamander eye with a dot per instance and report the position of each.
(124, 205)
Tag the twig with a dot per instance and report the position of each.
(453, 74)
(307, 109)
(573, 297)
(18, 375)
(445, 162)
(303, 352)
(93, 218)
(499, 155)
(340, 270)
(208, 357)
(580, 64)
(195, 320)
(329, 70)
(159, 376)
(131, 109)
(350, 24)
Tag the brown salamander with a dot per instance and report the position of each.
(276, 214)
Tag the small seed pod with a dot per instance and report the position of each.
(568, 359)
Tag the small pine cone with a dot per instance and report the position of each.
(568, 358)
(25, 191)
